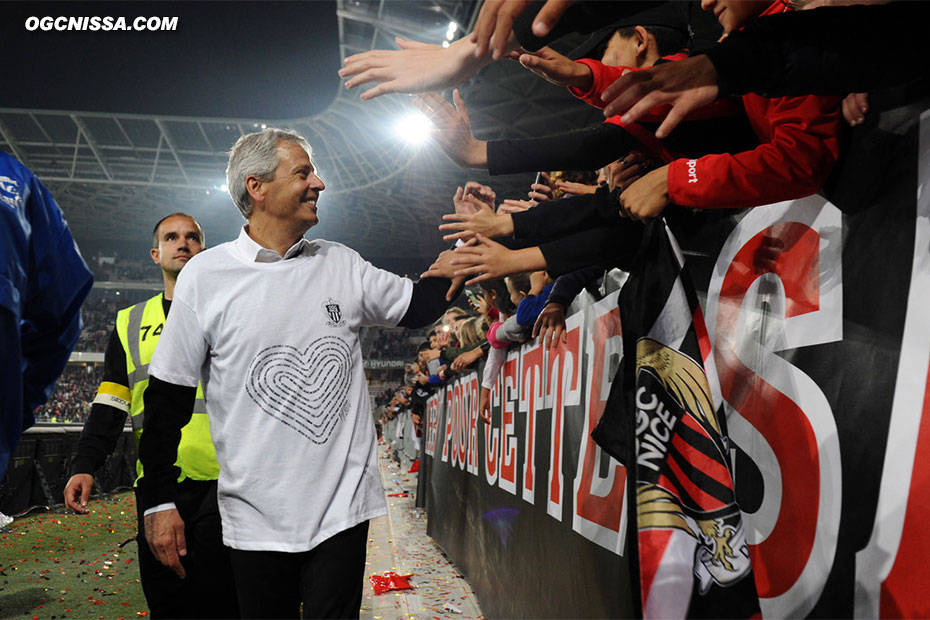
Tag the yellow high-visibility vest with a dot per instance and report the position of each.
(138, 328)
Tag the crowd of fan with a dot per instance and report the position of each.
(501, 312)
(74, 392)
(385, 343)
(98, 315)
(121, 269)
(736, 146)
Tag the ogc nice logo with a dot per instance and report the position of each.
(334, 313)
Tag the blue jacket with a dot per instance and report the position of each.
(43, 282)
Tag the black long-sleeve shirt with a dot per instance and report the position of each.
(578, 232)
(104, 425)
(824, 51)
(595, 147)
(567, 286)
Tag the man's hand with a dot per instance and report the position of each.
(483, 221)
(484, 405)
(482, 193)
(687, 85)
(164, 531)
(855, 106)
(487, 260)
(416, 67)
(443, 268)
(510, 206)
(624, 172)
(542, 191)
(538, 281)
(558, 69)
(453, 129)
(77, 492)
(466, 359)
(647, 197)
(551, 325)
(575, 189)
(494, 26)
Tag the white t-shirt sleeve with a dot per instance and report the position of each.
(385, 296)
(181, 349)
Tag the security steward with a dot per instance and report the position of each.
(207, 589)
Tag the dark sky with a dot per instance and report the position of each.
(238, 59)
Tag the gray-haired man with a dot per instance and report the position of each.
(270, 323)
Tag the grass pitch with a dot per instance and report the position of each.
(60, 565)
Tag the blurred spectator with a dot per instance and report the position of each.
(70, 402)
(384, 343)
(119, 269)
(98, 312)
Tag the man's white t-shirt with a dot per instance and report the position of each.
(275, 342)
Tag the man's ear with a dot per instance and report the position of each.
(156, 256)
(256, 189)
(641, 38)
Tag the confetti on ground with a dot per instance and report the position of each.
(399, 543)
(60, 565)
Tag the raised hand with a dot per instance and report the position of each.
(550, 324)
(541, 192)
(558, 69)
(494, 26)
(442, 267)
(415, 67)
(483, 193)
(575, 189)
(453, 129)
(511, 205)
(646, 197)
(486, 260)
(482, 220)
(687, 85)
(624, 172)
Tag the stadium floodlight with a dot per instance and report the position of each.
(413, 128)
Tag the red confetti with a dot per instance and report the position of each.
(389, 580)
(142, 613)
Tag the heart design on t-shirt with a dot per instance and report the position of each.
(307, 391)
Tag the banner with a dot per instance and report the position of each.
(817, 320)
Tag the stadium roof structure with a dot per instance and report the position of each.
(114, 174)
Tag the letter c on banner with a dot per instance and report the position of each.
(781, 290)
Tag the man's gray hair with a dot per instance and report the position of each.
(256, 155)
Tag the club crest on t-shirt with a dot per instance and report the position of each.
(334, 313)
